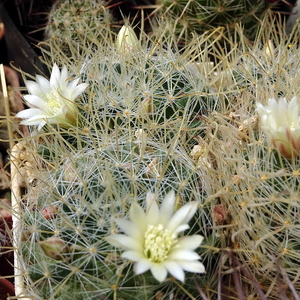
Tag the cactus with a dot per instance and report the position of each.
(91, 188)
(137, 122)
(196, 17)
(255, 182)
(74, 23)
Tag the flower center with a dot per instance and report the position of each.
(158, 243)
(53, 102)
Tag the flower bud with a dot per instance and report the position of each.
(269, 49)
(54, 247)
(50, 212)
(127, 41)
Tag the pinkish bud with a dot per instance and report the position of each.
(54, 247)
(50, 212)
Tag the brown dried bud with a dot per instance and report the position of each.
(220, 214)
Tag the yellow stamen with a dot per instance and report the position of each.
(158, 243)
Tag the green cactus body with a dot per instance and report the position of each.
(258, 186)
(123, 148)
(156, 90)
(74, 23)
(198, 16)
(91, 188)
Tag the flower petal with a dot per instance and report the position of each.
(124, 242)
(56, 78)
(190, 242)
(73, 83)
(133, 255)
(183, 254)
(192, 266)
(130, 229)
(182, 215)
(64, 75)
(142, 266)
(138, 217)
(38, 122)
(78, 90)
(34, 89)
(152, 213)
(36, 102)
(167, 208)
(293, 112)
(31, 113)
(159, 272)
(175, 270)
(43, 85)
(41, 125)
(181, 228)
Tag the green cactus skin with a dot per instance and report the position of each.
(73, 23)
(198, 16)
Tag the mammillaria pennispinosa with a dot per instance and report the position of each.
(155, 122)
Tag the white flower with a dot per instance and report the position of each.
(152, 241)
(52, 101)
(281, 122)
(127, 41)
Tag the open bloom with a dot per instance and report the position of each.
(152, 240)
(280, 121)
(52, 101)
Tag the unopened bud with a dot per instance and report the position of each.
(54, 247)
(127, 41)
(270, 49)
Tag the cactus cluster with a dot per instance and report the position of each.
(152, 118)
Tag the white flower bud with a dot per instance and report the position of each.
(127, 41)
